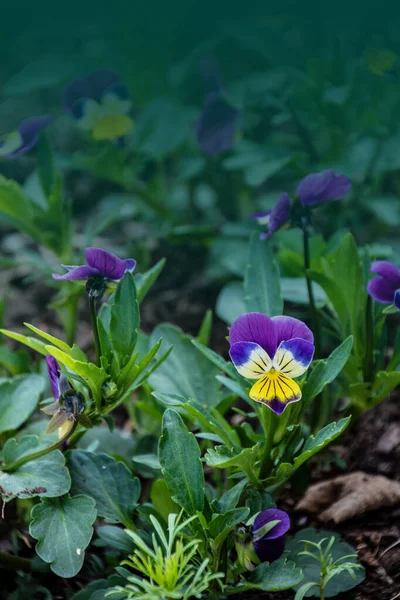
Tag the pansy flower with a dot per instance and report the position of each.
(269, 530)
(100, 265)
(385, 288)
(68, 405)
(24, 138)
(273, 351)
(321, 187)
(100, 104)
(276, 217)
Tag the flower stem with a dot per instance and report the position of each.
(95, 329)
(268, 422)
(314, 314)
(24, 459)
(369, 349)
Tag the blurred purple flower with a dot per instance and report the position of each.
(99, 263)
(317, 188)
(216, 127)
(270, 545)
(100, 103)
(385, 288)
(276, 217)
(24, 138)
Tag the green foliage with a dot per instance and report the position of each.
(179, 455)
(262, 289)
(18, 399)
(108, 482)
(330, 566)
(46, 476)
(63, 528)
(124, 321)
(184, 372)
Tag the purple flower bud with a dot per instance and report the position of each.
(276, 217)
(317, 188)
(385, 288)
(270, 546)
(99, 263)
(24, 138)
(54, 372)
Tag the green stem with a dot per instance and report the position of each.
(95, 329)
(24, 459)
(314, 314)
(14, 563)
(268, 422)
(369, 350)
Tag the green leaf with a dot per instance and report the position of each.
(46, 476)
(383, 385)
(313, 445)
(280, 575)
(161, 499)
(326, 371)
(108, 482)
(204, 334)
(31, 342)
(185, 372)
(63, 528)
(179, 455)
(115, 537)
(222, 523)
(230, 302)
(230, 499)
(18, 399)
(223, 457)
(145, 281)
(75, 352)
(294, 289)
(216, 359)
(99, 589)
(311, 568)
(261, 282)
(125, 317)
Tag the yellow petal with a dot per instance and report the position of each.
(64, 429)
(276, 390)
(110, 127)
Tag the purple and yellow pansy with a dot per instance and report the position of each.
(274, 351)
(100, 104)
(24, 138)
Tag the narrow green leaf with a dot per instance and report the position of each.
(145, 281)
(226, 521)
(216, 359)
(179, 455)
(108, 482)
(31, 342)
(204, 334)
(261, 282)
(63, 528)
(125, 318)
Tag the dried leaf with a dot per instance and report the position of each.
(349, 495)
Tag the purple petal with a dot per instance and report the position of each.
(29, 131)
(272, 514)
(257, 328)
(130, 264)
(261, 215)
(91, 86)
(381, 290)
(106, 263)
(287, 328)
(397, 299)
(387, 270)
(293, 357)
(216, 127)
(54, 371)
(269, 550)
(250, 359)
(280, 213)
(321, 187)
(83, 272)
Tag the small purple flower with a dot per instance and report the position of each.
(100, 103)
(273, 351)
(385, 288)
(276, 217)
(24, 138)
(317, 188)
(269, 546)
(54, 371)
(216, 127)
(99, 263)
